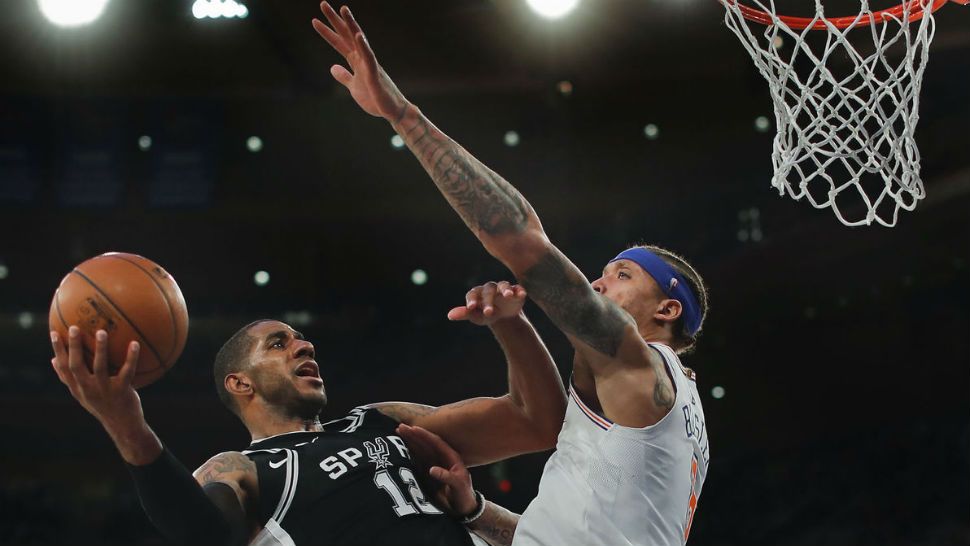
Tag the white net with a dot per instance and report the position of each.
(846, 107)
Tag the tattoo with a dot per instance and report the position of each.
(483, 199)
(404, 412)
(496, 534)
(566, 296)
(663, 395)
(218, 468)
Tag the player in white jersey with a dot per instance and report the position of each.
(635, 477)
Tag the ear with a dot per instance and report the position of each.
(238, 384)
(668, 311)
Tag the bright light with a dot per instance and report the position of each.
(254, 144)
(552, 9)
(26, 320)
(4, 272)
(261, 278)
(397, 142)
(511, 138)
(71, 13)
(717, 392)
(565, 88)
(219, 8)
(419, 277)
(144, 143)
(761, 124)
(651, 131)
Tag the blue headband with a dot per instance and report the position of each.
(672, 283)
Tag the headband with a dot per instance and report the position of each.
(671, 282)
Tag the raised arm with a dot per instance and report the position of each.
(186, 511)
(526, 419)
(495, 211)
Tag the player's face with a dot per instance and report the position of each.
(284, 372)
(629, 286)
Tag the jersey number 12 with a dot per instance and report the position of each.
(402, 507)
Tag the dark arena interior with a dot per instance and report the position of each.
(834, 365)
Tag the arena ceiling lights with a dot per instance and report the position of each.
(215, 9)
(553, 9)
(71, 13)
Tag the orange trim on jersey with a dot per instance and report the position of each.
(600, 421)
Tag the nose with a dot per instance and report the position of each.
(303, 348)
(599, 286)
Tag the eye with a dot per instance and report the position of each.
(623, 275)
(278, 343)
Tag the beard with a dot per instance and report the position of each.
(280, 392)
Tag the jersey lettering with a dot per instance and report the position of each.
(333, 465)
(399, 444)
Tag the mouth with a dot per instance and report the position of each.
(308, 369)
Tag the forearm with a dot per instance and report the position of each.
(496, 525)
(135, 441)
(182, 510)
(491, 207)
(534, 381)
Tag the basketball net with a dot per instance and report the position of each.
(846, 110)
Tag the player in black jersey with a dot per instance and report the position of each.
(302, 482)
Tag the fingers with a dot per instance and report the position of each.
(370, 59)
(331, 37)
(459, 313)
(342, 75)
(60, 361)
(337, 23)
(100, 363)
(75, 352)
(488, 298)
(130, 367)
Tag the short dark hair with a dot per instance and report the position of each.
(231, 358)
(684, 340)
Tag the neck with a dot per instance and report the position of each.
(268, 423)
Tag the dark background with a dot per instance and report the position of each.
(843, 352)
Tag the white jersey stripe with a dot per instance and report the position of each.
(296, 475)
(288, 486)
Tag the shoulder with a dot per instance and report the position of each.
(229, 466)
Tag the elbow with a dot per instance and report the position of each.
(518, 251)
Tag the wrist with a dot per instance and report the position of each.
(517, 320)
(135, 441)
(479, 509)
(405, 117)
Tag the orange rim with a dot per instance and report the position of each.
(753, 14)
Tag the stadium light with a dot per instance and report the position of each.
(552, 9)
(219, 8)
(71, 13)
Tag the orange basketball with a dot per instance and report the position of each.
(133, 299)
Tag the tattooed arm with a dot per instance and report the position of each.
(604, 335)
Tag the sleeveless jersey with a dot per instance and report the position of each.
(610, 485)
(352, 484)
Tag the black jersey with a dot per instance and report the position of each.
(352, 484)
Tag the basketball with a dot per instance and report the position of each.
(133, 299)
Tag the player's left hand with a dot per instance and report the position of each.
(366, 80)
(490, 302)
(456, 495)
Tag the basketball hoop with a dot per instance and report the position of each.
(846, 110)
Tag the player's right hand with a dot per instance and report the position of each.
(490, 302)
(367, 82)
(456, 495)
(110, 398)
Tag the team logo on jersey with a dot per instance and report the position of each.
(377, 452)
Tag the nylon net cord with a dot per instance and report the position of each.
(845, 114)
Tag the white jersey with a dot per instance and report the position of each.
(611, 485)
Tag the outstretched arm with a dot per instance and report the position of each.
(526, 419)
(492, 208)
(184, 510)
